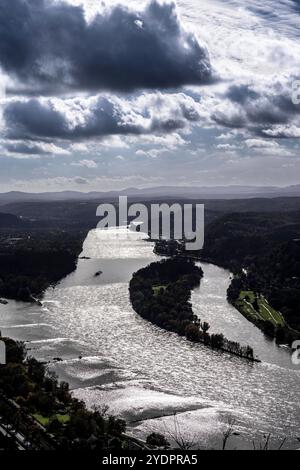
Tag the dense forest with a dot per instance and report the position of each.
(40, 242)
(31, 395)
(263, 252)
(161, 292)
(276, 276)
(30, 261)
(235, 240)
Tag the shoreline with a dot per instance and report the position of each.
(226, 359)
(289, 334)
(153, 295)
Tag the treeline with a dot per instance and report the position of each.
(161, 293)
(31, 262)
(276, 276)
(263, 251)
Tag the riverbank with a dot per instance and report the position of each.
(245, 293)
(256, 308)
(45, 416)
(160, 293)
(32, 261)
(142, 371)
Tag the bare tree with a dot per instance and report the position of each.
(229, 431)
(265, 444)
(176, 435)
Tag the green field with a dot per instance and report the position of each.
(156, 289)
(44, 420)
(264, 312)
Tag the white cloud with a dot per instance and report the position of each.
(260, 143)
(29, 148)
(268, 147)
(228, 147)
(79, 147)
(151, 153)
(284, 131)
(100, 116)
(87, 164)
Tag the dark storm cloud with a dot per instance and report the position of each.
(98, 116)
(257, 108)
(33, 118)
(50, 45)
(24, 148)
(32, 148)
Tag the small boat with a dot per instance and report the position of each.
(98, 273)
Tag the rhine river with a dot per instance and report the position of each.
(112, 356)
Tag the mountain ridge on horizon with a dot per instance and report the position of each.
(226, 192)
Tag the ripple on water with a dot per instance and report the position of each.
(145, 373)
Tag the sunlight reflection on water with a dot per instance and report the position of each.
(146, 374)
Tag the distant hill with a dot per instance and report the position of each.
(216, 192)
(10, 221)
(232, 240)
(81, 214)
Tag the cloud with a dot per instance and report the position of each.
(265, 109)
(44, 43)
(99, 116)
(34, 148)
(260, 143)
(151, 153)
(170, 141)
(86, 164)
(80, 180)
(258, 146)
(96, 183)
(227, 147)
(283, 131)
(79, 147)
(267, 147)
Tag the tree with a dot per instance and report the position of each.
(157, 440)
(280, 335)
(205, 327)
(217, 341)
(15, 351)
(192, 332)
(228, 432)
(269, 328)
(54, 427)
(36, 370)
(176, 434)
(255, 304)
(250, 352)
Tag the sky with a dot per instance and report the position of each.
(99, 95)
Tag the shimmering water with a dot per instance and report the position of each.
(146, 374)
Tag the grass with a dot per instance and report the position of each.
(45, 420)
(156, 289)
(265, 312)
